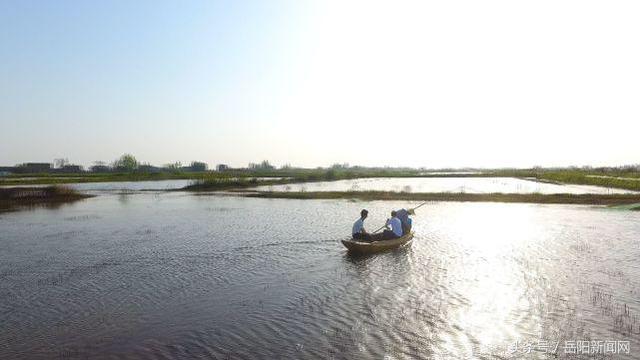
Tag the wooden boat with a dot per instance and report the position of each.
(363, 247)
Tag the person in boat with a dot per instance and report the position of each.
(396, 227)
(358, 231)
(405, 220)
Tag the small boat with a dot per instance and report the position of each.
(363, 247)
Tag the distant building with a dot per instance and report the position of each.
(70, 169)
(27, 168)
(6, 170)
(222, 167)
(100, 168)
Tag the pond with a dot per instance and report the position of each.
(177, 275)
(478, 185)
(118, 186)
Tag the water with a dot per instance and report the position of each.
(478, 185)
(118, 186)
(175, 275)
(131, 185)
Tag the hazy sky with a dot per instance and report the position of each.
(400, 83)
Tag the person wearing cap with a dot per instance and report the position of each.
(405, 220)
(358, 231)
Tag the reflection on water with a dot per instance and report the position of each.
(118, 186)
(477, 185)
(172, 275)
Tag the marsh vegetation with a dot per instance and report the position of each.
(18, 197)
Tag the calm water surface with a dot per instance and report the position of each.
(478, 185)
(174, 275)
(118, 186)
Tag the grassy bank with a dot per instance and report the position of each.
(628, 180)
(586, 199)
(34, 196)
(583, 178)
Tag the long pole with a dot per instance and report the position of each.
(382, 227)
(411, 210)
(424, 203)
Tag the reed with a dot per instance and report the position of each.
(29, 196)
(221, 183)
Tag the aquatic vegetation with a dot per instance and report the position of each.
(38, 193)
(33, 196)
(221, 183)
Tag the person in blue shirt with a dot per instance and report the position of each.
(396, 227)
(358, 231)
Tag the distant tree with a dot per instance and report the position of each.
(286, 167)
(60, 163)
(198, 166)
(147, 168)
(126, 162)
(222, 167)
(176, 166)
(265, 165)
(330, 174)
(340, 166)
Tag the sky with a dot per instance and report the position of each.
(311, 83)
